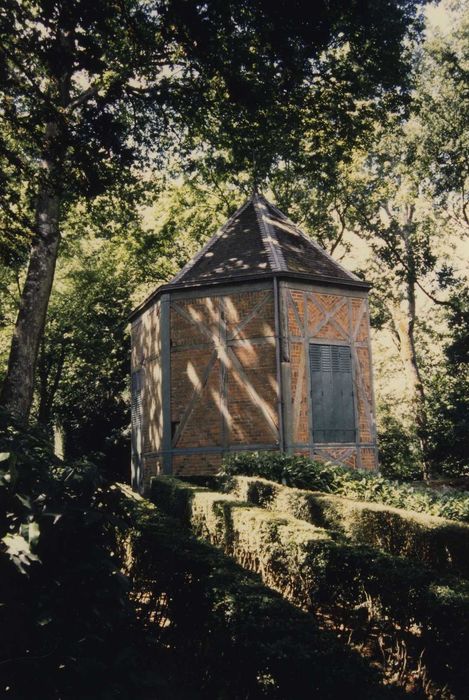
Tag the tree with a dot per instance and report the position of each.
(67, 76)
(115, 250)
(84, 359)
(441, 103)
(80, 80)
(449, 393)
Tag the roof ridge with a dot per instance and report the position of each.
(313, 242)
(269, 237)
(190, 264)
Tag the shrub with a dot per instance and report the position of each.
(305, 473)
(234, 638)
(399, 455)
(66, 619)
(372, 595)
(438, 543)
(102, 597)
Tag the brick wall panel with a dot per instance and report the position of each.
(299, 303)
(262, 375)
(315, 315)
(328, 301)
(197, 463)
(342, 317)
(152, 422)
(204, 425)
(338, 455)
(347, 318)
(365, 370)
(331, 332)
(145, 356)
(368, 458)
(137, 345)
(187, 371)
(238, 307)
(357, 307)
(248, 424)
(188, 332)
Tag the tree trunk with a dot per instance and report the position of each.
(17, 391)
(59, 440)
(404, 321)
(49, 375)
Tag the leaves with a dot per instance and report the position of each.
(303, 472)
(18, 548)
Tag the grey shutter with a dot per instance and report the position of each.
(332, 393)
(137, 422)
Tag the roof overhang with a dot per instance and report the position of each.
(248, 277)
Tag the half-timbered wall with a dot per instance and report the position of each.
(335, 317)
(206, 368)
(146, 379)
(224, 391)
(209, 378)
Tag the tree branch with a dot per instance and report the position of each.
(395, 253)
(84, 97)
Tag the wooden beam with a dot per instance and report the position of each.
(165, 332)
(278, 365)
(292, 305)
(285, 367)
(223, 375)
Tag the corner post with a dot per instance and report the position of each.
(166, 382)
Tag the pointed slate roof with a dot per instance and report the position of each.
(259, 239)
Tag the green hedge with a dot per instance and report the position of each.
(438, 543)
(305, 473)
(230, 636)
(380, 600)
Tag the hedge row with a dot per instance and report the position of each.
(305, 473)
(439, 543)
(380, 600)
(227, 635)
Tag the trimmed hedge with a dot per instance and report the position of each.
(378, 598)
(305, 473)
(439, 543)
(229, 636)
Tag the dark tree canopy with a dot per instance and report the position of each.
(91, 89)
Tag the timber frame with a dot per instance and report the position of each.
(221, 355)
(295, 311)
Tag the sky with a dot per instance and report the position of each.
(438, 15)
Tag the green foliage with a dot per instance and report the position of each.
(398, 455)
(334, 71)
(367, 592)
(303, 472)
(440, 544)
(123, 85)
(242, 639)
(449, 395)
(67, 620)
(441, 96)
(83, 361)
(104, 598)
(182, 216)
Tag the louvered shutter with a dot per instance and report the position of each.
(137, 420)
(332, 393)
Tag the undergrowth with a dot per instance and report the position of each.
(305, 473)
